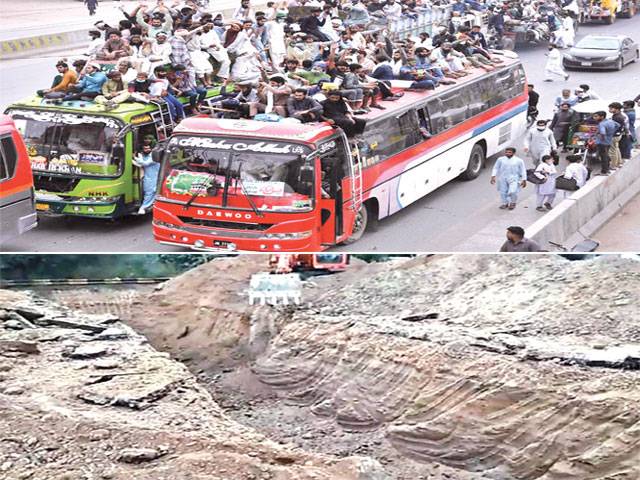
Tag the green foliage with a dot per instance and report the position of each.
(377, 257)
(93, 266)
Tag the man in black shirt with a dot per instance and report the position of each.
(336, 112)
(312, 23)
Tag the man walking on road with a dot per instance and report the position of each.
(539, 141)
(517, 243)
(562, 121)
(604, 138)
(510, 175)
(554, 65)
(91, 5)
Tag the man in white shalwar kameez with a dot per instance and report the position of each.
(276, 35)
(510, 175)
(211, 41)
(554, 65)
(539, 141)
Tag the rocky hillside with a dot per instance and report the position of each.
(85, 397)
(447, 367)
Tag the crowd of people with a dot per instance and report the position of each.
(297, 59)
(609, 136)
(334, 60)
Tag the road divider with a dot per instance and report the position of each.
(582, 213)
(40, 44)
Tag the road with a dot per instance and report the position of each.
(622, 229)
(445, 220)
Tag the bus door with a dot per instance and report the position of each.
(17, 203)
(143, 133)
(334, 158)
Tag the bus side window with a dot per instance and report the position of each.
(434, 107)
(424, 124)
(410, 128)
(8, 159)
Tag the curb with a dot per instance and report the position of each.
(39, 44)
(587, 209)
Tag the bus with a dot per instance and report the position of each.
(280, 186)
(17, 201)
(81, 154)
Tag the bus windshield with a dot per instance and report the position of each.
(69, 144)
(266, 175)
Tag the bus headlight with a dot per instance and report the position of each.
(288, 236)
(198, 243)
(106, 199)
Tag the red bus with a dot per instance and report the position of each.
(279, 186)
(17, 199)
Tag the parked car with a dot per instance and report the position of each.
(602, 52)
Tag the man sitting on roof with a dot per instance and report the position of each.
(113, 91)
(336, 112)
(302, 107)
(115, 47)
(62, 82)
(89, 86)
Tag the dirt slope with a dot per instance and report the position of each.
(85, 397)
(459, 367)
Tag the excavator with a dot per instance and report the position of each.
(282, 283)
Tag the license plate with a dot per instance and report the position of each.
(587, 64)
(220, 244)
(42, 206)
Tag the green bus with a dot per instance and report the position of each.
(81, 154)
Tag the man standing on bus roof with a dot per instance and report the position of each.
(539, 141)
(510, 175)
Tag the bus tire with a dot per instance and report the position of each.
(476, 162)
(364, 219)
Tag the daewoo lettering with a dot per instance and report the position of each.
(209, 213)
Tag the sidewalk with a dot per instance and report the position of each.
(575, 216)
(32, 27)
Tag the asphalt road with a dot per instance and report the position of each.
(445, 220)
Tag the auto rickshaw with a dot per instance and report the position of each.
(582, 134)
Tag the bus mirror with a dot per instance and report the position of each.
(118, 151)
(306, 174)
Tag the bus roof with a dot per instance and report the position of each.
(412, 98)
(5, 120)
(306, 132)
(310, 132)
(123, 110)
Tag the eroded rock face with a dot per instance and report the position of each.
(69, 414)
(470, 366)
(509, 368)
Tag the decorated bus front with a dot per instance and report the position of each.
(249, 192)
(78, 162)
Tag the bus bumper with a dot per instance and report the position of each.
(189, 237)
(99, 209)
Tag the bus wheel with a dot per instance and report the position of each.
(363, 218)
(476, 161)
